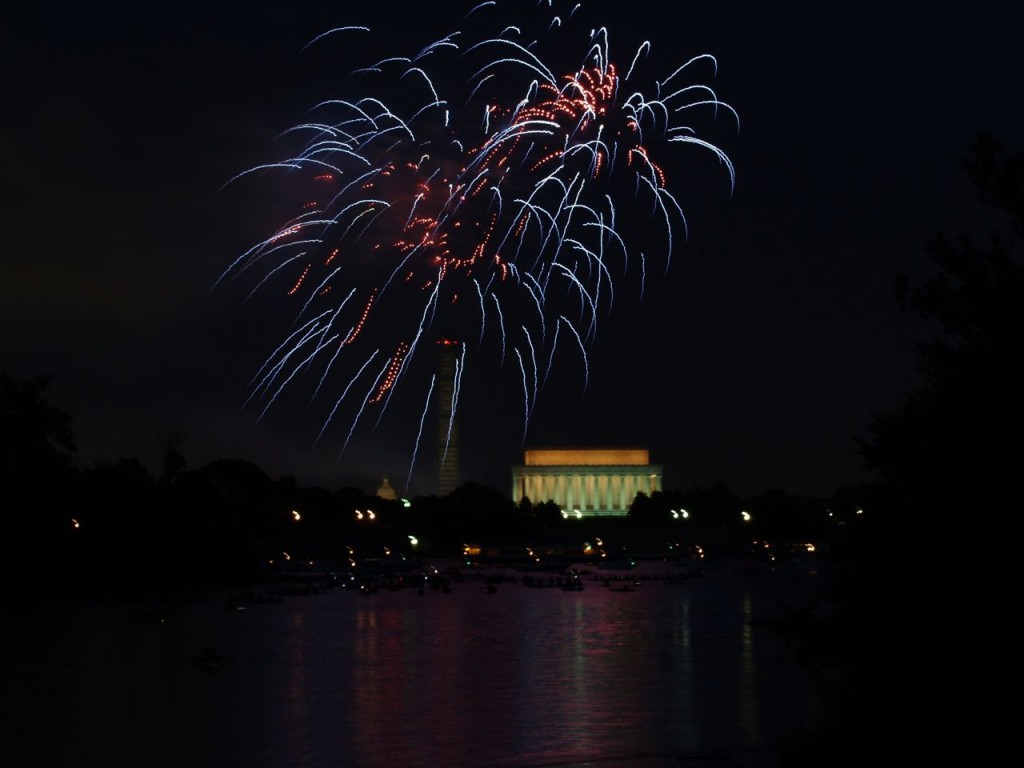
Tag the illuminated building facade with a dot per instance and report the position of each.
(586, 481)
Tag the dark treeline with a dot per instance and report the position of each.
(113, 526)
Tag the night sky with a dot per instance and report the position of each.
(757, 361)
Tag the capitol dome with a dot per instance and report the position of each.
(386, 491)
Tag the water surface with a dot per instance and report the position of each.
(666, 674)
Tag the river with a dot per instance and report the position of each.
(667, 672)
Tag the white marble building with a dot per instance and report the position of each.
(586, 481)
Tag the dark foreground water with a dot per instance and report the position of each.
(668, 674)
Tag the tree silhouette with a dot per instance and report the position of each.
(547, 514)
(37, 446)
(947, 464)
(36, 439)
(949, 448)
(172, 458)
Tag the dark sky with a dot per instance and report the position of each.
(758, 360)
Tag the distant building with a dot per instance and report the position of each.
(447, 457)
(586, 481)
(386, 491)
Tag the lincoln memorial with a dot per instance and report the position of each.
(586, 481)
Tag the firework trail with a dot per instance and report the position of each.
(473, 190)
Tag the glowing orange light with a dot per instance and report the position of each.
(300, 281)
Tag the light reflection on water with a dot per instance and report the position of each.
(522, 678)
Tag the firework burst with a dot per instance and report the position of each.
(471, 191)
